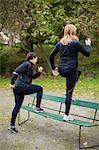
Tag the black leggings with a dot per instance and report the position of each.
(71, 80)
(19, 93)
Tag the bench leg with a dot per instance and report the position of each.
(28, 113)
(80, 141)
(32, 102)
(60, 107)
(79, 137)
(95, 115)
(20, 123)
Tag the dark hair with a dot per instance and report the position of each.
(30, 56)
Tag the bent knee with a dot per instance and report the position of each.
(40, 88)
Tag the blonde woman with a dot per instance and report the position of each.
(68, 48)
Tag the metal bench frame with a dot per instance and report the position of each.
(80, 126)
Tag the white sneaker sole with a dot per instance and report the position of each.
(38, 111)
(66, 119)
(69, 119)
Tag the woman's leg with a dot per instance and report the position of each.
(18, 103)
(71, 81)
(78, 73)
(31, 89)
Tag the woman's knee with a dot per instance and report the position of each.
(41, 88)
(68, 98)
(68, 101)
(35, 88)
(79, 73)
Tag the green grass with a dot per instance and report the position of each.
(86, 86)
(4, 82)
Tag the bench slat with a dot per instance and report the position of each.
(87, 104)
(58, 117)
(82, 103)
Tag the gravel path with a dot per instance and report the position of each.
(41, 133)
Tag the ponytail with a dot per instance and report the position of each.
(30, 56)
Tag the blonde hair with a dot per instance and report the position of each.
(69, 34)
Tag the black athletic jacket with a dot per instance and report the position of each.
(24, 74)
(68, 60)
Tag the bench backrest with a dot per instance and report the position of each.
(82, 103)
(88, 104)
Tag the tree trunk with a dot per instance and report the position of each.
(46, 58)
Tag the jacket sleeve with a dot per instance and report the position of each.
(35, 74)
(53, 54)
(18, 71)
(84, 50)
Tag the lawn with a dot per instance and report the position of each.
(86, 86)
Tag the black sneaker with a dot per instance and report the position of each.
(13, 130)
(38, 109)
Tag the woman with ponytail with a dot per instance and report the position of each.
(21, 83)
(68, 48)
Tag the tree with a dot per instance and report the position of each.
(45, 18)
(42, 21)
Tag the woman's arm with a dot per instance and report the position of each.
(53, 54)
(84, 50)
(36, 74)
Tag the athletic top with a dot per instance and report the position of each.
(24, 74)
(68, 60)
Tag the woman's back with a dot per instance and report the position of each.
(68, 60)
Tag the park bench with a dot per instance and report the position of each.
(92, 121)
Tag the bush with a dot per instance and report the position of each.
(11, 57)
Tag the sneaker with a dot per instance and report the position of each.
(70, 117)
(67, 118)
(38, 109)
(13, 130)
(73, 99)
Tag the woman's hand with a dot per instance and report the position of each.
(12, 86)
(55, 72)
(40, 69)
(88, 41)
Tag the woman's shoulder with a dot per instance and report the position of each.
(69, 43)
(26, 63)
(58, 43)
(75, 42)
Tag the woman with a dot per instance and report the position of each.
(21, 85)
(68, 47)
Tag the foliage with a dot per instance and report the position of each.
(46, 18)
(9, 58)
(11, 16)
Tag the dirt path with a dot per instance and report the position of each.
(41, 133)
